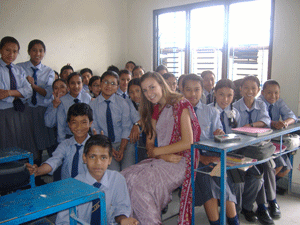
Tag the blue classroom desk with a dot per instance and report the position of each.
(34, 203)
(223, 148)
(14, 154)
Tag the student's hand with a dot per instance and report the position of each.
(247, 125)
(32, 168)
(120, 156)
(95, 132)
(208, 159)
(30, 80)
(279, 125)
(4, 94)
(134, 134)
(172, 158)
(218, 132)
(129, 221)
(151, 152)
(56, 101)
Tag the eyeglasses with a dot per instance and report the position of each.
(106, 82)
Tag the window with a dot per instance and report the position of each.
(232, 38)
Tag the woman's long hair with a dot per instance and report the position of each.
(146, 107)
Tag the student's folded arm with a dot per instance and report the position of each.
(25, 88)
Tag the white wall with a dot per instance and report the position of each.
(89, 33)
(286, 49)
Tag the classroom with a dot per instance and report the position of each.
(98, 33)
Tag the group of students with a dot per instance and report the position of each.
(99, 119)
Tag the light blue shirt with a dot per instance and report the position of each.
(23, 85)
(50, 116)
(227, 111)
(119, 113)
(62, 112)
(206, 93)
(209, 120)
(259, 113)
(280, 108)
(134, 114)
(64, 154)
(117, 200)
(120, 93)
(45, 77)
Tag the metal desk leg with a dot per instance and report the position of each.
(102, 208)
(32, 179)
(223, 189)
(193, 185)
(291, 174)
(73, 214)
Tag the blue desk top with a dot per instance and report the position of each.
(56, 195)
(245, 140)
(12, 154)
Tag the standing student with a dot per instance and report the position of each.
(161, 69)
(171, 81)
(86, 74)
(124, 77)
(97, 156)
(69, 152)
(14, 125)
(254, 113)
(170, 118)
(75, 95)
(94, 86)
(111, 115)
(129, 66)
(40, 78)
(277, 108)
(207, 188)
(138, 72)
(65, 71)
(208, 84)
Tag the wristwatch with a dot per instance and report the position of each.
(137, 124)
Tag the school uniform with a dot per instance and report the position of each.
(67, 101)
(122, 94)
(50, 116)
(277, 110)
(64, 155)
(263, 173)
(209, 96)
(207, 187)
(16, 130)
(117, 200)
(85, 88)
(120, 115)
(44, 137)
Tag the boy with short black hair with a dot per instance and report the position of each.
(124, 77)
(112, 116)
(98, 156)
(69, 152)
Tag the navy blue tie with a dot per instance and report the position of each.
(33, 98)
(76, 100)
(75, 162)
(195, 109)
(124, 95)
(249, 114)
(208, 98)
(222, 121)
(270, 111)
(109, 122)
(95, 219)
(18, 104)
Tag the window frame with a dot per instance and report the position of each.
(225, 51)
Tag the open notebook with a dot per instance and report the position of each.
(252, 131)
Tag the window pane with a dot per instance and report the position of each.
(207, 26)
(171, 41)
(249, 35)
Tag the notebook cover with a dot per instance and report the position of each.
(252, 131)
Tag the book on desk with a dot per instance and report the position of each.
(252, 131)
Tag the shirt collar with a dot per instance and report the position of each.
(39, 66)
(78, 96)
(264, 100)
(73, 141)
(111, 98)
(199, 105)
(2, 63)
(91, 180)
(245, 108)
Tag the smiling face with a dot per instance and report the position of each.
(172, 82)
(152, 90)
(224, 96)
(95, 88)
(79, 126)
(208, 82)
(249, 90)
(138, 73)
(97, 160)
(64, 75)
(36, 53)
(60, 88)
(192, 91)
(86, 78)
(109, 86)
(75, 86)
(9, 52)
(124, 80)
(271, 93)
(135, 93)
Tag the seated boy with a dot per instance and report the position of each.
(98, 156)
(111, 115)
(69, 152)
